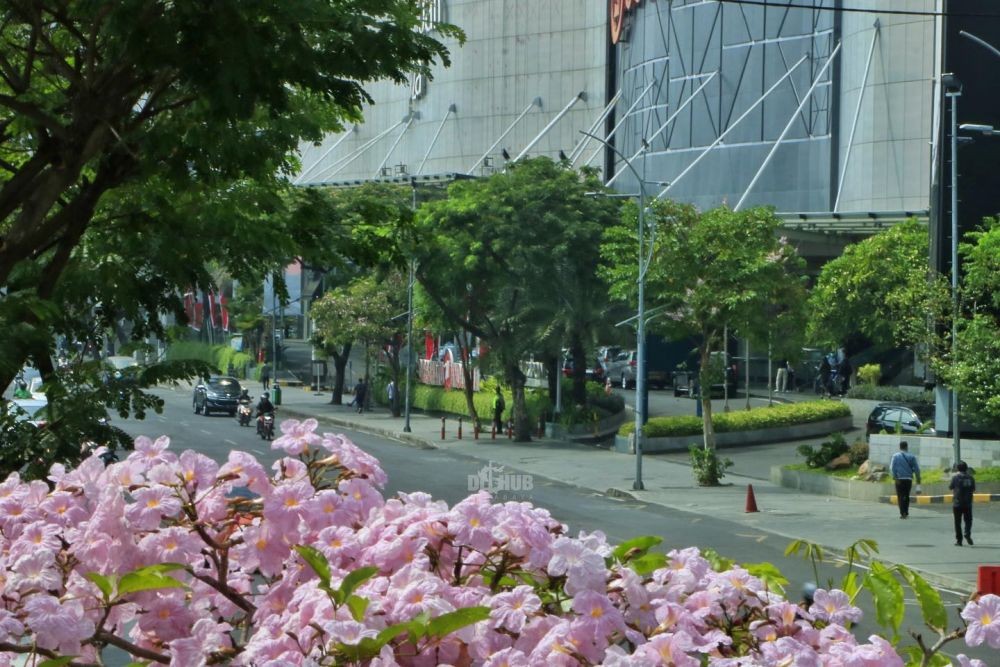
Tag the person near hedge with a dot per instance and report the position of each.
(265, 377)
(904, 468)
(498, 407)
(962, 486)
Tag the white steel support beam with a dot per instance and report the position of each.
(413, 115)
(619, 123)
(301, 177)
(451, 110)
(537, 102)
(552, 123)
(729, 129)
(857, 112)
(578, 149)
(665, 124)
(788, 126)
(351, 157)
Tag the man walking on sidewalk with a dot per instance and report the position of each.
(962, 486)
(904, 468)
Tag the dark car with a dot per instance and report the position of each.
(895, 418)
(220, 394)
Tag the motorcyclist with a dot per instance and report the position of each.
(244, 397)
(22, 390)
(264, 407)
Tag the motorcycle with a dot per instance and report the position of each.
(265, 426)
(244, 412)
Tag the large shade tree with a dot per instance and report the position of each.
(143, 139)
(881, 287)
(708, 271)
(496, 258)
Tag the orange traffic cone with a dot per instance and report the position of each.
(751, 501)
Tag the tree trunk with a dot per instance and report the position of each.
(394, 371)
(339, 365)
(470, 403)
(552, 373)
(579, 356)
(522, 423)
(705, 382)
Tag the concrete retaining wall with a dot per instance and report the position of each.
(856, 489)
(935, 452)
(736, 438)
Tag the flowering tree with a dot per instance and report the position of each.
(179, 560)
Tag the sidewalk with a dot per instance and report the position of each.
(924, 542)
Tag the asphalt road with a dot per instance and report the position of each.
(446, 475)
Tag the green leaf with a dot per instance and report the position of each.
(417, 626)
(648, 563)
(849, 584)
(769, 574)
(316, 560)
(106, 584)
(931, 605)
(145, 580)
(445, 624)
(887, 594)
(57, 662)
(640, 545)
(355, 579)
(357, 605)
(719, 563)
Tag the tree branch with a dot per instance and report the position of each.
(139, 652)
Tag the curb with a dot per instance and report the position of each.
(936, 500)
(622, 494)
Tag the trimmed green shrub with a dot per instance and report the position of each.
(869, 374)
(828, 451)
(437, 399)
(890, 394)
(219, 356)
(788, 414)
(709, 467)
(859, 452)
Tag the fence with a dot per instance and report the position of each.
(447, 374)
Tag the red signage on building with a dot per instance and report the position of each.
(619, 8)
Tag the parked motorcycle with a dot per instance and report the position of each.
(265, 426)
(244, 413)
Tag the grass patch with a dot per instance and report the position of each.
(788, 414)
(926, 476)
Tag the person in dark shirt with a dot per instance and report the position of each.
(962, 486)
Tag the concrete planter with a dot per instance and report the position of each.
(935, 452)
(856, 489)
(737, 438)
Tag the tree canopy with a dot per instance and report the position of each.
(502, 256)
(144, 141)
(708, 271)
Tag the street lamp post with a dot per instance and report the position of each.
(409, 322)
(953, 90)
(640, 376)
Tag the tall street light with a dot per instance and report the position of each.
(953, 90)
(640, 376)
(409, 321)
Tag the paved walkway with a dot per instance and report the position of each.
(924, 542)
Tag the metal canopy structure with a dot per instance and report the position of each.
(398, 179)
(857, 223)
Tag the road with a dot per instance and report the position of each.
(446, 475)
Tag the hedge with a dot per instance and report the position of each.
(219, 356)
(894, 394)
(788, 414)
(430, 398)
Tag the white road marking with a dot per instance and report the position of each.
(230, 442)
(204, 431)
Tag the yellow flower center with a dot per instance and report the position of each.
(474, 522)
(291, 502)
(985, 619)
(596, 612)
(164, 614)
(152, 502)
(261, 544)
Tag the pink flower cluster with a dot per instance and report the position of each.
(79, 557)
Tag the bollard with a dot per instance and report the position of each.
(493, 431)
(442, 428)
(459, 428)
(541, 427)
(510, 429)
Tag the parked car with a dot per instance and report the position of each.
(596, 370)
(893, 417)
(218, 393)
(623, 368)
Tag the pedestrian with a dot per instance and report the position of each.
(499, 405)
(824, 376)
(390, 391)
(791, 376)
(607, 386)
(844, 371)
(904, 468)
(358, 391)
(265, 376)
(962, 486)
(360, 394)
(781, 378)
